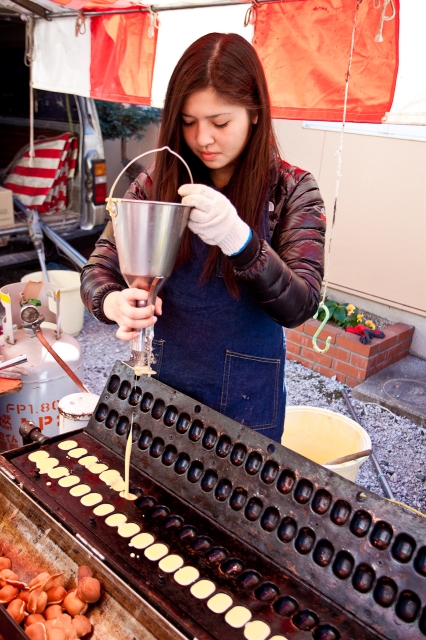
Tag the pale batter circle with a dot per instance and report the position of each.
(66, 445)
(203, 589)
(116, 519)
(58, 472)
(77, 453)
(141, 541)
(86, 461)
(103, 509)
(186, 576)
(119, 486)
(80, 490)
(156, 551)
(91, 499)
(237, 617)
(109, 476)
(128, 530)
(69, 481)
(45, 465)
(219, 603)
(35, 456)
(98, 467)
(171, 563)
(256, 630)
(278, 638)
(128, 496)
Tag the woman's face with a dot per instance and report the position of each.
(216, 131)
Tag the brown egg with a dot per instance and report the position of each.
(53, 611)
(89, 589)
(82, 625)
(5, 563)
(37, 601)
(56, 594)
(36, 631)
(33, 618)
(84, 572)
(73, 604)
(8, 593)
(24, 595)
(16, 608)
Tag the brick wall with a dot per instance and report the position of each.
(347, 358)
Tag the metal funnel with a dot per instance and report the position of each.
(147, 236)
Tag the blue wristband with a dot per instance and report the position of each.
(250, 235)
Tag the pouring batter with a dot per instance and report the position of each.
(251, 260)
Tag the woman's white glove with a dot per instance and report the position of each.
(214, 219)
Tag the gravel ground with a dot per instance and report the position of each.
(400, 445)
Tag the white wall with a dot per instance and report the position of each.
(377, 251)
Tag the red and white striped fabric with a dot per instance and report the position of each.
(44, 185)
(304, 46)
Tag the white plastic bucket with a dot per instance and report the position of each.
(71, 305)
(322, 435)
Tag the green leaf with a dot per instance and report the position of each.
(340, 315)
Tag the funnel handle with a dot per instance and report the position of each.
(112, 211)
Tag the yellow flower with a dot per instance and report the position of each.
(350, 308)
(359, 317)
(370, 324)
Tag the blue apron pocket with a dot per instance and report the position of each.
(158, 347)
(250, 390)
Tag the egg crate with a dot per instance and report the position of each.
(304, 550)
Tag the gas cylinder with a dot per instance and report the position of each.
(46, 382)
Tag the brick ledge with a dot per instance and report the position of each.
(347, 358)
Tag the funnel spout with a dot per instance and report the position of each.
(141, 357)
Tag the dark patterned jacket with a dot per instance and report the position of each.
(285, 278)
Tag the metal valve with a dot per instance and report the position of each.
(31, 317)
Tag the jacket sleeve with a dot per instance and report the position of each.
(101, 275)
(285, 278)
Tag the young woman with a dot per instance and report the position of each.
(251, 260)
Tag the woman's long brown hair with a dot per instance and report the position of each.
(229, 65)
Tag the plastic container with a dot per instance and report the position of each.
(322, 435)
(71, 306)
(75, 411)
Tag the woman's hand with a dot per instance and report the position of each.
(120, 306)
(214, 218)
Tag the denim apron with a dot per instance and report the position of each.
(224, 352)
